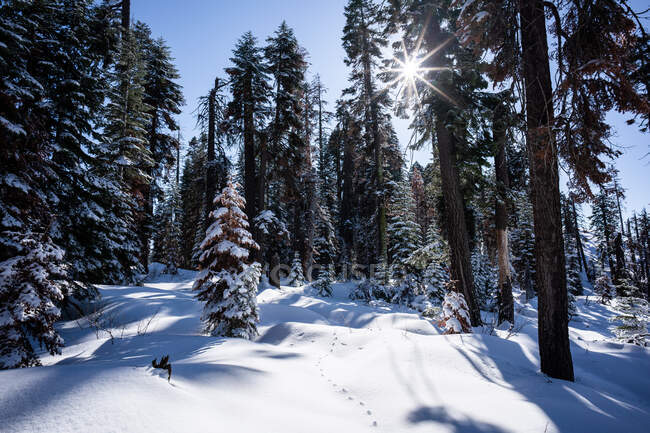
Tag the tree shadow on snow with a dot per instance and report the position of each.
(593, 403)
(440, 415)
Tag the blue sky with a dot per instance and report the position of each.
(202, 33)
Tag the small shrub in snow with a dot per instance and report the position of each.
(368, 290)
(228, 283)
(164, 365)
(455, 312)
(296, 277)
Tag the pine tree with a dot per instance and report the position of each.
(634, 312)
(125, 148)
(247, 108)
(273, 234)
(455, 312)
(485, 278)
(167, 238)
(603, 288)
(603, 226)
(29, 292)
(522, 241)
(163, 98)
(430, 26)
(325, 241)
(192, 192)
(296, 277)
(228, 281)
(432, 260)
(574, 281)
(403, 230)
(362, 42)
(326, 277)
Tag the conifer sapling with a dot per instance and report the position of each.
(228, 281)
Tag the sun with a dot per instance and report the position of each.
(409, 70)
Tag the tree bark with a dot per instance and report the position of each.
(211, 160)
(347, 194)
(553, 331)
(461, 268)
(249, 154)
(506, 302)
(126, 17)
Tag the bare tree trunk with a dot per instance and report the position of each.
(550, 275)
(249, 155)
(506, 302)
(461, 268)
(347, 194)
(211, 160)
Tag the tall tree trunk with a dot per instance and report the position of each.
(618, 204)
(581, 251)
(249, 154)
(374, 140)
(309, 202)
(461, 268)
(347, 194)
(550, 275)
(211, 159)
(620, 259)
(641, 250)
(126, 17)
(261, 193)
(148, 198)
(506, 302)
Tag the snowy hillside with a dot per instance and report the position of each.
(319, 365)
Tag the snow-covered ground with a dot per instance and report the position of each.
(319, 365)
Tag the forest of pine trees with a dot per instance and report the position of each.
(288, 184)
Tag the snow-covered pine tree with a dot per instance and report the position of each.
(273, 237)
(433, 260)
(403, 230)
(572, 261)
(29, 292)
(326, 277)
(296, 277)
(228, 281)
(522, 242)
(603, 225)
(124, 151)
(363, 41)
(603, 288)
(163, 98)
(634, 312)
(485, 279)
(168, 231)
(455, 312)
(246, 110)
(325, 241)
(192, 191)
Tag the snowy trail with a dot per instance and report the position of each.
(320, 365)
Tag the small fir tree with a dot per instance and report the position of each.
(455, 312)
(326, 277)
(296, 277)
(228, 281)
(634, 312)
(603, 288)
